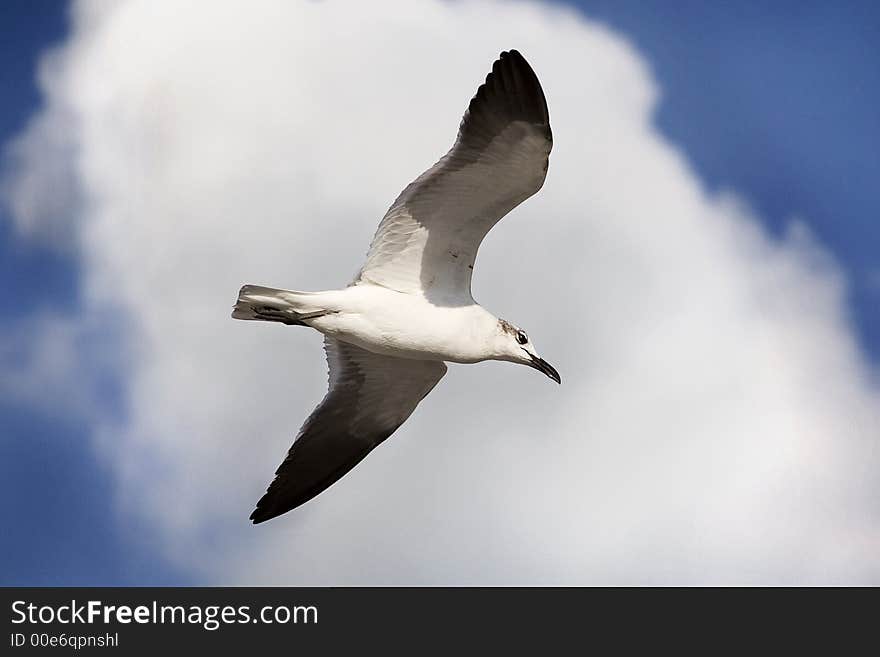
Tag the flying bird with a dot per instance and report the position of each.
(389, 334)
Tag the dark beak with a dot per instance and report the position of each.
(543, 366)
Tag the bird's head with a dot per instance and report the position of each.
(513, 344)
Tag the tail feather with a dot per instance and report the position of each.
(268, 304)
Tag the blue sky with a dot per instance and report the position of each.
(59, 499)
(774, 100)
(777, 100)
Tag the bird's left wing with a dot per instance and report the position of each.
(369, 396)
(428, 240)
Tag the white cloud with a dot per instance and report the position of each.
(716, 423)
(39, 359)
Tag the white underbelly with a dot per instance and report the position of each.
(404, 326)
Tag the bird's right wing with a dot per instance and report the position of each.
(369, 396)
(428, 240)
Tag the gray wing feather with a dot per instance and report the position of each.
(428, 240)
(369, 397)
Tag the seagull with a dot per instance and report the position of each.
(389, 335)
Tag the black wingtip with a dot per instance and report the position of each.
(262, 514)
(511, 92)
(266, 509)
(259, 515)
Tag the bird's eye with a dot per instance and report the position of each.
(521, 337)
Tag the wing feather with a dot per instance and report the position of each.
(428, 240)
(369, 397)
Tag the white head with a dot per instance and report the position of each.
(513, 344)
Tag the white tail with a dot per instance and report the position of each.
(269, 304)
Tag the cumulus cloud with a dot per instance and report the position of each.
(717, 422)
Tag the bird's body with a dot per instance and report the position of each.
(393, 323)
(389, 334)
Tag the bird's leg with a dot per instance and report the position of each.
(286, 316)
(271, 314)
